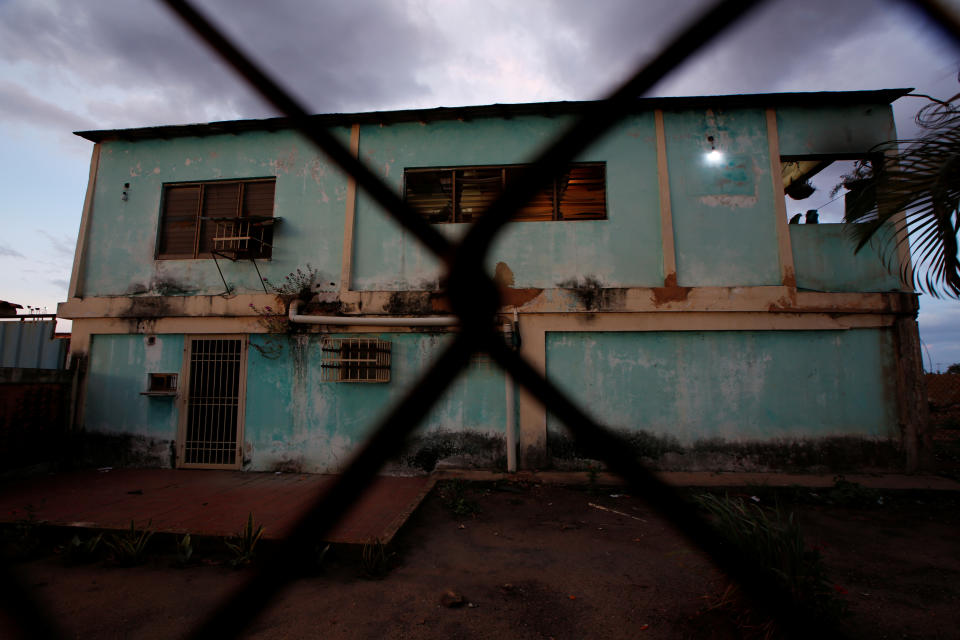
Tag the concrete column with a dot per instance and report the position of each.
(913, 410)
(533, 415)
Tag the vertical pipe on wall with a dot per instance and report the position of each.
(510, 401)
(511, 427)
(666, 212)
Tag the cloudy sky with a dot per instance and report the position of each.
(67, 66)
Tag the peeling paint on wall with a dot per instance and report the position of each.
(294, 419)
(749, 385)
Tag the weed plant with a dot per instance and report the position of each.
(772, 537)
(375, 560)
(78, 551)
(129, 548)
(245, 546)
(184, 550)
(453, 494)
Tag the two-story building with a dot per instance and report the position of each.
(657, 281)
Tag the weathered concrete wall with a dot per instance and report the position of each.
(823, 255)
(621, 251)
(117, 375)
(853, 129)
(674, 390)
(724, 226)
(686, 387)
(310, 196)
(295, 421)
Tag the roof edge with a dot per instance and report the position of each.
(882, 96)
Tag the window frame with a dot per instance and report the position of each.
(557, 216)
(199, 218)
(339, 363)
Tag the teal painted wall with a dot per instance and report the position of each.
(842, 130)
(293, 416)
(723, 214)
(733, 385)
(117, 373)
(725, 232)
(624, 250)
(310, 197)
(824, 260)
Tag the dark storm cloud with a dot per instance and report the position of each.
(344, 56)
(781, 46)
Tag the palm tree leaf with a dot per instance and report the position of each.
(916, 196)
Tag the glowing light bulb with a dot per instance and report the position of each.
(714, 156)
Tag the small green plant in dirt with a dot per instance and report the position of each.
(78, 551)
(129, 548)
(773, 539)
(593, 472)
(22, 541)
(454, 498)
(245, 546)
(850, 494)
(184, 550)
(320, 556)
(375, 559)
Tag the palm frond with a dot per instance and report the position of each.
(922, 183)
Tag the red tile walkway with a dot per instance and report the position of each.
(204, 502)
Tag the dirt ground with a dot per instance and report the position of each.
(541, 562)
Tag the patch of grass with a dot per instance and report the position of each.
(375, 560)
(453, 494)
(129, 549)
(245, 546)
(772, 537)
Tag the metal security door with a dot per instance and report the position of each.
(211, 424)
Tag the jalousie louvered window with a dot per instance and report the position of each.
(229, 217)
(355, 360)
(462, 194)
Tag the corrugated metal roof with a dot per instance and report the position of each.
(821, 98)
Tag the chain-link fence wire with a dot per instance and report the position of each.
(476, 301)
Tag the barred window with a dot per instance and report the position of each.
(355, 360)
(462, 194)
(233, 217)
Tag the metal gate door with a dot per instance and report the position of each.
(211, 422)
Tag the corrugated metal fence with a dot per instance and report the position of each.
(29, 344)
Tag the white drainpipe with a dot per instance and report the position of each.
(371, 321)
(511, 420)
(511, 428)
